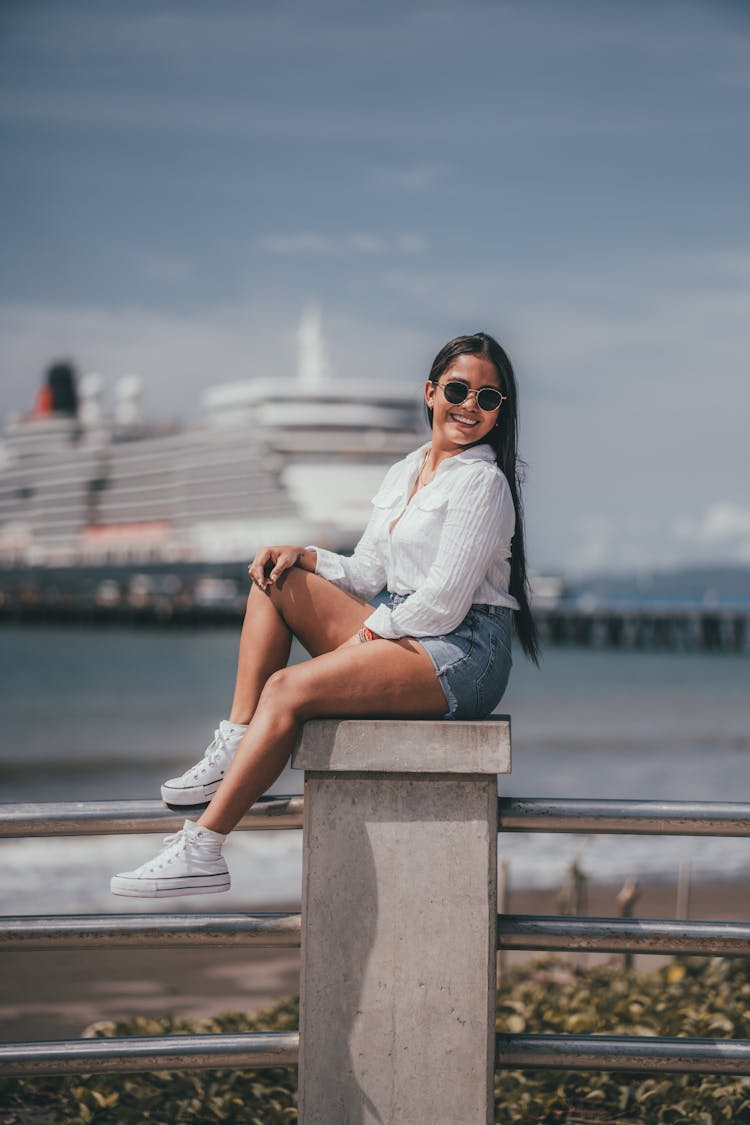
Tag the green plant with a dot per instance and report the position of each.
(688, 997)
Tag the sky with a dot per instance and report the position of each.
(180, 178)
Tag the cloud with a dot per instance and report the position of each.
(411, 243)
(306, 243)
(164, 268)
(180, 355)
(603, 488)
(594, 548)
(724, 527)
(410, 177)
(366, 243)
(658, 319)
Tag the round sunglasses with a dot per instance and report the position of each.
(488, 398)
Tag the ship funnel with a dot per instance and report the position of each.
(90, 388)
(62, 392)
(313, 367)
(128, 392)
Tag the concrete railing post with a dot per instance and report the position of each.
(399, 909)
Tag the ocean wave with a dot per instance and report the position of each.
(71, 875)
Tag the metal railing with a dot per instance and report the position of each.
(622, 935)
(159, 1052)
(514, 932)
(108, 818)
(623, 1052)
(516, 814)
(525, 932)
(152, 1052)
(662, 818)
(118, 931)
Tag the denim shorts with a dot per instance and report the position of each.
(473, 662)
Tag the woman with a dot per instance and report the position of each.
(435, 641)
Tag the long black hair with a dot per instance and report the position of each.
(504, 441)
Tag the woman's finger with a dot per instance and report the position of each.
(284, 561)
(257, 568)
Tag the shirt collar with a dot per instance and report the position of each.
(481, 452)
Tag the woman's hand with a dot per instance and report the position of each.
(278, 559)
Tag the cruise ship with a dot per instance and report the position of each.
(283, 460)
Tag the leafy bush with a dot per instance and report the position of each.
(198, 1097)
(689, 996)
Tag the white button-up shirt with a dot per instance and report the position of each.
(450, 547)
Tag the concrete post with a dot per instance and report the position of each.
(399, 909)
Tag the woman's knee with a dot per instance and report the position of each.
(271, 596)
(283, 691)
(280, 592)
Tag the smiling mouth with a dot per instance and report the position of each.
(464, 420)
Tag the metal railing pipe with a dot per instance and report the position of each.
(155, 1052)
(114, 931)
(620, 1052)
(622, 935)
(517, 814)
(663, 818)
(524, 932)
(94, 818)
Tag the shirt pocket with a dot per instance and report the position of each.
(386, 497)
(386, 505)
(418, 532)
(428, 514)
(428, 501)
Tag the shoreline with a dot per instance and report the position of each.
(57, 994)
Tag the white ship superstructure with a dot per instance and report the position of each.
(286, 460)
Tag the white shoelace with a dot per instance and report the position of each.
(217, 747)
(214, 750)
(174, 845)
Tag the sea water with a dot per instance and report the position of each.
(109, 713)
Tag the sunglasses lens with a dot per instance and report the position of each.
(487, 399)
(455, 392)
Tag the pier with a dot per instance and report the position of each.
(647, 626)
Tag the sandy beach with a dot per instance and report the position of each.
(55, 995)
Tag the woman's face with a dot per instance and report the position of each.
(457, 427)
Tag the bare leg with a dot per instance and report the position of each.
(265, 642)
(379, 678)
(304, 604)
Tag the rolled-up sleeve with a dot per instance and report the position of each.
(362, 573)
(478, 524)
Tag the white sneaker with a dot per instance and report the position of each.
(198, 784)
(190, 864)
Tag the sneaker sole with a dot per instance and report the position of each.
(198, 794)
(169, 888)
